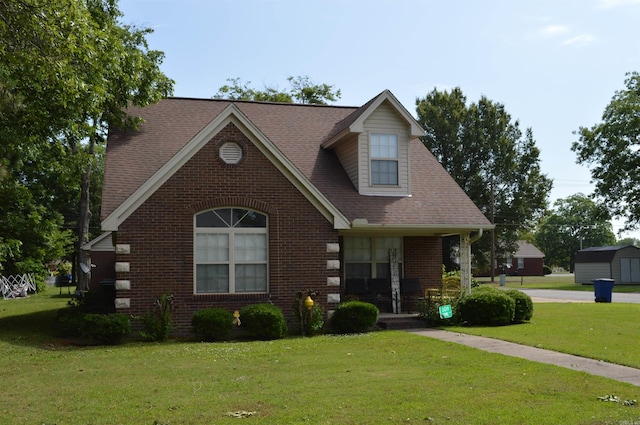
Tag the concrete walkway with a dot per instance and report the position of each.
(593, 367)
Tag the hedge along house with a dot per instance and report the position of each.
(228, 203)
(620, 263)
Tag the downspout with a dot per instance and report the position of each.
(476, 237)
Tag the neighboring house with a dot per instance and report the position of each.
(620, 263)
(228, 203)
(527, 261)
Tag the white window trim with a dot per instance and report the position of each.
(389, 159)
(231, 232)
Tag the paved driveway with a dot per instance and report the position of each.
(550, 295)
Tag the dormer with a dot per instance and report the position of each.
(373, 146)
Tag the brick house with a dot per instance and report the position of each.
(228, 203)
(528, 260)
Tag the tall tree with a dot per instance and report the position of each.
(68, 68)
(612, 150)
(302, 90)
(577, 222)
(496, 165)
(629, 241)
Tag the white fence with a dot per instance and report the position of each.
(17, 286)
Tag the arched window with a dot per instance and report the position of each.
(230, 251)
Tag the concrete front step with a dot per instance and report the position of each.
(400, 321)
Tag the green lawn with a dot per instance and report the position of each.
(387, 377)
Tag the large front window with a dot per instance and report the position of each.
(230, 251)
(369, 257)
(384, 159)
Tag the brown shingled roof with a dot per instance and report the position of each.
(297, 131)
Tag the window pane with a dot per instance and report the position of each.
(212, 247)
(209, 219)
(384, 146)
(250, 247)
(212, 278)
(383, 245)
(384, 270)
(245, 218)
(251, 277)
(384, 172)
(357, 249)
(358, 270)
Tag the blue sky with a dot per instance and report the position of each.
(554, 64)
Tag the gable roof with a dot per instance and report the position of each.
(290, 135)
(601, 254)
(354, 123)
(528, 250)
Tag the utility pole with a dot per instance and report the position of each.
(493, 233)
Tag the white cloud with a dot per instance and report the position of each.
(580, 40)
(552, 31)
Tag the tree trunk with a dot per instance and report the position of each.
(84, 217)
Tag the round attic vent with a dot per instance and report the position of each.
(231, 152)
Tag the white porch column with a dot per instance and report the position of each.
(465, 262)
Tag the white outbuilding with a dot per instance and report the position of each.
(620, 263)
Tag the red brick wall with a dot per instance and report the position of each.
(532, 267)
(423, 259)
(160, 233)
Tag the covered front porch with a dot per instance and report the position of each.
(395, 271)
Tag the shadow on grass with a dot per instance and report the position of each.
(35, 329)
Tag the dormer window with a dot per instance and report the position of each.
(384, 159)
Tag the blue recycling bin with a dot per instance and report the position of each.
(603, 288)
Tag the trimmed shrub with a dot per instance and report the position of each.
(546, 269)
(69, 322)
(263, 321)
(524, 305)
(354, 317)
(106, 328)
(212, 324)
(487, 306)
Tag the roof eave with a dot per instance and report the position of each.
(362, 226)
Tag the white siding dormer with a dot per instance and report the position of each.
(389, 134)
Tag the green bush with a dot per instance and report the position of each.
(69, 321)
(354, 317)
(212, 324)
(487, 306)
(106, 328)
(524, 305)
(100, 301)
(157, 322)
(263, 321)
(546, 269)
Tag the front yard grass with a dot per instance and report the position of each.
(389, 377)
